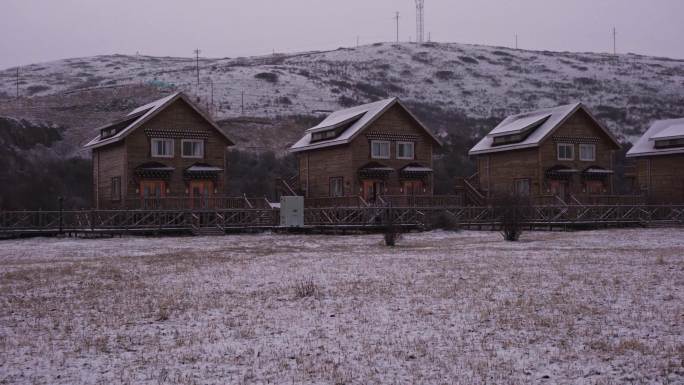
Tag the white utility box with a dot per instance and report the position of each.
(292, 211)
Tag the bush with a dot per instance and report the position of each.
(392, 233)
(32, 90)
(267, 76)
(444, 220)
(445, 75)
(468, 59)
(514, 209)
(284, 100)
(305, 288)
(346, 101)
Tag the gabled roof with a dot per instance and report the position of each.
(549, 119)
(142, 114)
(359, 118)
(659, 130)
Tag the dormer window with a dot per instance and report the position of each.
(517, 130)
(671, 143)
(324, 135)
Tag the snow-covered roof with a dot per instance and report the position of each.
(144, 113)
(416, 169)
(549, 119)
(597, 170)
(659, 130)
(203, 168)
(359, 117)
(518, 126)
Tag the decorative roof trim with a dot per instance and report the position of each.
(388, 103)
(154, 109)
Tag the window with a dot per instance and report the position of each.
(380, 149)
(337, 186)
(192, 148)
(587, 152)
(115, 192)
(566, 151)
(522, 187)
(162, 148)
(405, 150)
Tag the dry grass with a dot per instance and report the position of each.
(442, 307)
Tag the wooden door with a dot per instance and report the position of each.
(412, 187)
(559, 188)
(372, 189)
(200, 194)
(151, 193)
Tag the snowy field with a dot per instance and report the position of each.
(603, 307)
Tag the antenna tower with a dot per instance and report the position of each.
(420, 21)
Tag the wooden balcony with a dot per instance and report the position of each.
(213, 202)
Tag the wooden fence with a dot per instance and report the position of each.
(20, 223)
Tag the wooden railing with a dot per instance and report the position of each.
(423, 200)
(187, 203)
(345, 201)
(18, 223)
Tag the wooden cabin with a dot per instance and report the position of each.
(659, 161)
(562, 153)
(372, 150)
(166, 151)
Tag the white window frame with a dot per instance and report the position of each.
(413, 150)
(115, 189)
(200, 141)
(593, 152)
(526, 182)
(332, 192)
(572, 152)
(389, 149)
(153, 147)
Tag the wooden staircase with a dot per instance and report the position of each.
(287, 186)
(471, 194)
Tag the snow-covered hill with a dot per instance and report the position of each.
(449, 85)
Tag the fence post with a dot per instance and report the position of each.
(60, 200)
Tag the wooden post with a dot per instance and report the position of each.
(61, 211)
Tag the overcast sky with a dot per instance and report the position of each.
(42, 30)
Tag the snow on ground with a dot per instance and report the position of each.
(601, 307)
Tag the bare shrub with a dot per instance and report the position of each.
(392, 233)
(305, 288)
(267, 76)
(513, 209)
(444, 220)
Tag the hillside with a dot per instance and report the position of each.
(265, 103)
(460, 89)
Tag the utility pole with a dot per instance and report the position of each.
(420, 21)
(243, 103)
(397, 20)
(516, 41)
(357, 41)
(17, 82)
(211, 84)
(614, 41)
(197, 52)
